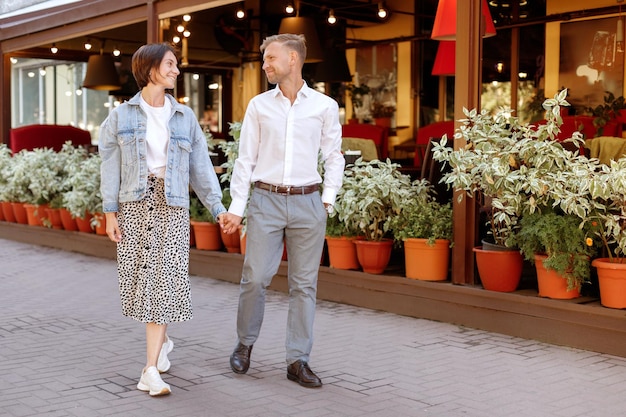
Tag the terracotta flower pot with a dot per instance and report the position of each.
(207, 235)
(101, 226)
(499, 270)
(7, 210)
(35, 214)
(84, 223)
(612, 280)
(342, 252)
(425, 262)
(20, 213)
(69, 222)
(54, 215)
(373, 256)
(551, 283)
(231, 241)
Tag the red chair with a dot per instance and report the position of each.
(572, 124)
(367, 131)
(426, 133)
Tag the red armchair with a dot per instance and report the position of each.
(367, 131)
(425, 134)
(47, 136)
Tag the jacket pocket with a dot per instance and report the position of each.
(180, 182)
(128, 147)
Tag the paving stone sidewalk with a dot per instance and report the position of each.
(65, 350)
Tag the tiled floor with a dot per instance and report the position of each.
(65, 350)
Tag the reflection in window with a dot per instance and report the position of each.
(50, 92)
(203, 93)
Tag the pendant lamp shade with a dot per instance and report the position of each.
(444, 28)
(445, 60)
(304, 26)
(101, 73)
(334, 67)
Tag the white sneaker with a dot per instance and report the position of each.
(151, 381)
(163, 364)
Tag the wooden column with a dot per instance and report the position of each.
(153, 34)
(467, 94)
(5, 96)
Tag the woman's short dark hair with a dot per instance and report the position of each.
(147, 58)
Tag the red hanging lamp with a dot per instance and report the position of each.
(444, 28)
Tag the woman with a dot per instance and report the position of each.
(152, 149)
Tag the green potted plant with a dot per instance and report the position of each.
(340, 242)
(604, 114)
(371, 195)
(557, 245)
(382, 113)
(503, 166)
(425, 227)
(359, 95)
(82, 197)
(596, 194)
(6, 172)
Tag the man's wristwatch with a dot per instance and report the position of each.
(329, 208)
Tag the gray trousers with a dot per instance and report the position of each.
(299, 221)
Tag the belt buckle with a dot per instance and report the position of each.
(287, 190)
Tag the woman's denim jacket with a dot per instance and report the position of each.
(124, 170)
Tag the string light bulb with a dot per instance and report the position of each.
(88, 45)
(382, 12)
(116, 51)
(54, 48)
(289, 8)
(176, 39)
(187, 17)
(331, 17)
(240, 13)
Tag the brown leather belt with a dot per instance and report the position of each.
(287, 189)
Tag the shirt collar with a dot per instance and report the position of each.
(305, 90)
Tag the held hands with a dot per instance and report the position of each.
(113, 229)
(229, 222)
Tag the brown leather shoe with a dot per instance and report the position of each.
(300, 372)
(240, 359)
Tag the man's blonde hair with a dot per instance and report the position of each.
(292, 41)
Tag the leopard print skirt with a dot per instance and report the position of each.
(153, 259)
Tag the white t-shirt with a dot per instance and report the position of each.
(157, 136)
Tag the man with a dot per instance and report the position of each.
(282, 133)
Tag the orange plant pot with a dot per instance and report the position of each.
(552, 284)
(207, 235)
(7, 210)
(342, 252)
(101, 226)
(612, 280)
(54, 215)
(69, 222)
(499, 270)
(20, 213)
(373, 256)
(231, 241)
(425, 262)
(35, 214)
(84, 223)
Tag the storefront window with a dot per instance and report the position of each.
(50, 92)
